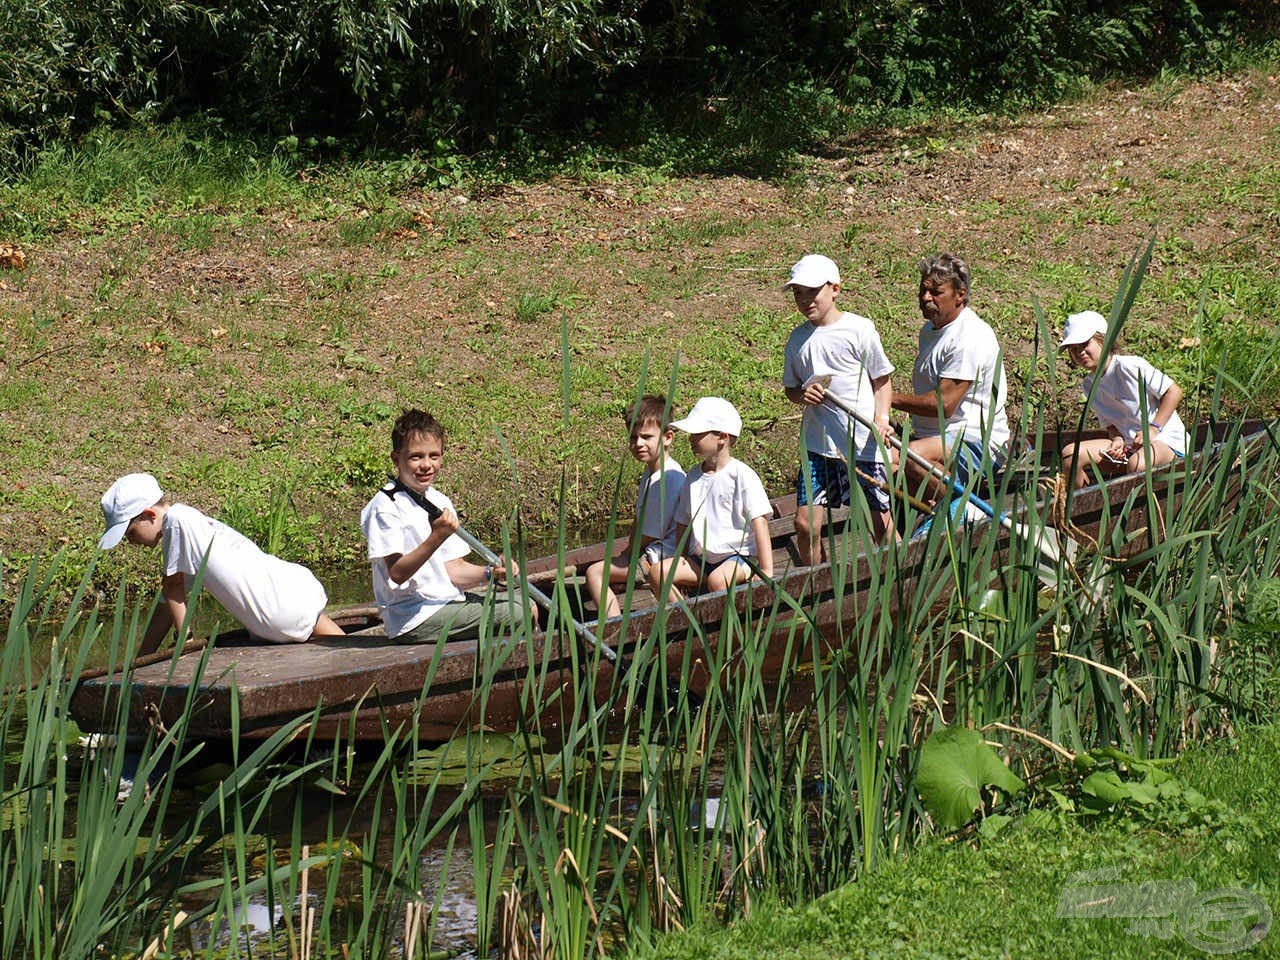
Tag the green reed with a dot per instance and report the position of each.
(768, 756)
(635, 808)
(810, 772)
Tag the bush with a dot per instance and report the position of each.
(481, 72)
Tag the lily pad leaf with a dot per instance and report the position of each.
(955, 764)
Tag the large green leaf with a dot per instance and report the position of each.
(955, 764)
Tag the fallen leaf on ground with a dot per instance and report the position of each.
(12, 258)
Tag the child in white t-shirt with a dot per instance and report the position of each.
(840, 352)
(1135, 402)
(426, 588)
(722, 513)
(651, 437)
(274, 600)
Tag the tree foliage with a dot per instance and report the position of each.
(472, 70)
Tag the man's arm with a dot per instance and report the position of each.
(926, 404)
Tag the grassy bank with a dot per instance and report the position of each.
(1004, 897)
(247, 327)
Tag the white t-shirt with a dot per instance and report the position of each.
(274, 600)
(850, 352)
(718, 509)
(964, 349)
(1117, 401)
(656, 498)
(395, 525)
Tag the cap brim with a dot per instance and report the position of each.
(813, 283)
(113, 536)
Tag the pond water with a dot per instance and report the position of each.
(314, 815)
(445, 869)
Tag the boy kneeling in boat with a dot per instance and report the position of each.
(422, 580)
(274, 600)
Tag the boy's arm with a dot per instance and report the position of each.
(810, 394)
(402, 566)
(764, 545)
(882, 391)
(171, 613)
(1169, 401)
(466, 575)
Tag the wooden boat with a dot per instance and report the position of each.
(360, 686)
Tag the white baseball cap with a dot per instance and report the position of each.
(1081, 328)
(127, 498)
(813, 270)
(711, 415)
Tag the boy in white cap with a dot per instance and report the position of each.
(276, 601)
(722, 513)
(1135, 402)
(840, 352)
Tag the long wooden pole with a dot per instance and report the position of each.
(1048, 549)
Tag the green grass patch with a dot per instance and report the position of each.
(1005, 896)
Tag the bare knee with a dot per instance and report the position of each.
(595, 579)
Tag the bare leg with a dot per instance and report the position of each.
(882, 528)
(920, 479)
(727, 574)
(604, 598)
(810, 519)
(325, 627)
(684, 576)
(1077, 458)
(1155, 454)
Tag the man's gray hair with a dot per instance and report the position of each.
(946, 268)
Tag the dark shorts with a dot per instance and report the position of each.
(828, 478)
(703, 566)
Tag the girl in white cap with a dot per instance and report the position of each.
(1136, 404)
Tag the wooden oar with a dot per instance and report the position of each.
(581, 629)
(1048, 549)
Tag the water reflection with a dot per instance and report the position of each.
(448, 890)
